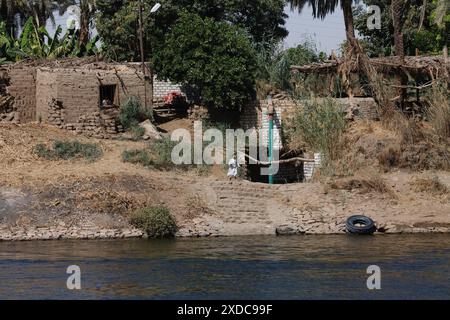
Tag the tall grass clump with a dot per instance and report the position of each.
(319, 126)
(439, 110)
(156, 221)
(132, 113)
(66, 150)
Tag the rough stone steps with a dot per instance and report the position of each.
(241, 208)
(242, 202)
(244, 185)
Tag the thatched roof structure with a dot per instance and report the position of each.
(434, 66)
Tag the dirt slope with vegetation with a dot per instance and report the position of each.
(79, 198)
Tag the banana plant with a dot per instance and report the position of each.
(36, 43)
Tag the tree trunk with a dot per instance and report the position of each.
(397, 7)
(355, 53)
(85, 17)
(84, 30)
(8, 12)
(350, 35)
(348, 19)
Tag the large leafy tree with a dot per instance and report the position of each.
(216, 58)
(117, 21)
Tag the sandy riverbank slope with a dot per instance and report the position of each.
(42, 199)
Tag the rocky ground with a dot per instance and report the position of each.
(77, 199)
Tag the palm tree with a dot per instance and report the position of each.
(85, 11)
(355, 54)
(39, 10)
(321, 8)
(8, 11)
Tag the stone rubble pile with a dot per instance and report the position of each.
(196, 113)
(100, 125)
(61, 232)
(55, 114)
(8, 112)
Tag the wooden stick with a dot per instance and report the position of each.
(279, 161)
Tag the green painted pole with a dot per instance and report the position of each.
(271, 111)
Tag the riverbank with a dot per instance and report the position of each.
(79, 199)
(99, 208)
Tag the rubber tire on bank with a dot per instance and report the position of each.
(368, 226)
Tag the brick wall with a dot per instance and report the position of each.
(162, 88)
(252, 115)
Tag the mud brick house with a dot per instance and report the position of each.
(71, 94)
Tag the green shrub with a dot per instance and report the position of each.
(161, 151)
(66, 150)
(141, 157)
(159, 156)
(319, 126)
(137, 132)
(157, 221)
(132, 113)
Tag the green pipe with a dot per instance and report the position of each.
(270, 148)
(270, 113)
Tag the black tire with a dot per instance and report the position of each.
(360, 225)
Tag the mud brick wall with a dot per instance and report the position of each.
(46, 95)
(23, 88)
(78, 90)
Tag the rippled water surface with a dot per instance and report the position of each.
(305, 267)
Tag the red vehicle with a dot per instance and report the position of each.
(174, 99)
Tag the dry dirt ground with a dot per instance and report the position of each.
(76, 193)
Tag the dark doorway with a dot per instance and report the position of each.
(107, 94)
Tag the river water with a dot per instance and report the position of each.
(304, 267)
